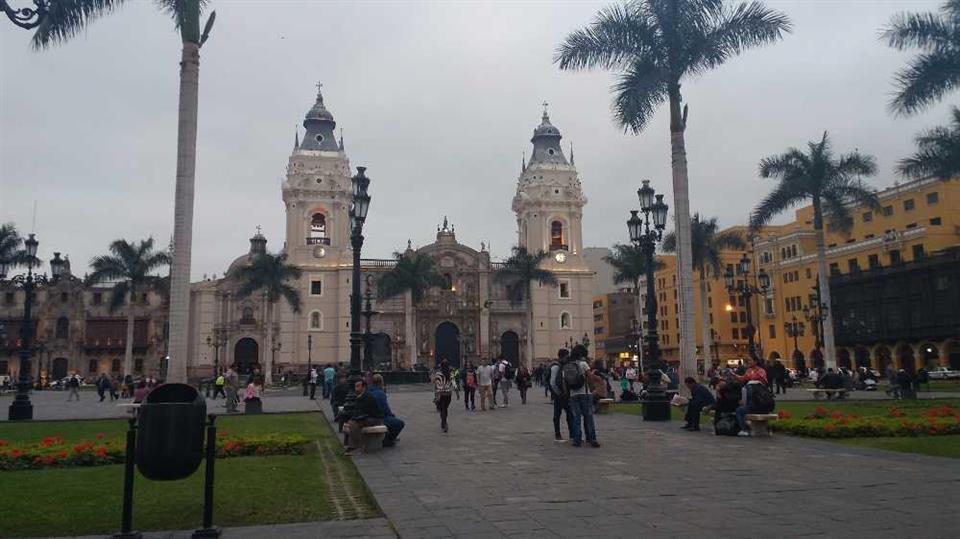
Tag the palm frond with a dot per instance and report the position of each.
(938, 153)
(745, 26)
(118, 295)
(926, 31)
(67, 18)
(618, 35)
(925, 80)
(637, 94)
(785, 195)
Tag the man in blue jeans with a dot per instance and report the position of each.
(393, 423)
(328, 375)
(581, 401)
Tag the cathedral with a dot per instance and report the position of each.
(466, 319)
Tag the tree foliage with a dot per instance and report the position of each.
(270, 274)
(938, 152)
(707, 243)
(522, 268)
(129, 265)
(415, 273)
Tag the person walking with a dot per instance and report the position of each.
(103, 386)
(496, 381)
(74, 385)
(779, 373)
(485, 378)
(700, 398)
(561, 401)
(443, 390)
(574, 375)
(469, 381)
(329, 375)
(893, 387)
(230, 383)
(507, 374)
(631, 375)
(313, 378)
(114, 389)
(523, 382)
(218, 384)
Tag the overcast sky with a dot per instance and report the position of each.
(438, 99)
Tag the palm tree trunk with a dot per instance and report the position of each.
(681, 216)
(183, 213)
(823, 279)
(530, 330)
(705, 329)
(268, 369)
(411, 323)
(128, 349)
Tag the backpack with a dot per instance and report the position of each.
(761, 400)
(509, 372)
(73, 382)
(572, 376)
(471, 380)
(556, 381)
(726, 425)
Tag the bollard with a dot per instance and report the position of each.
(208, 529)
(126, 519)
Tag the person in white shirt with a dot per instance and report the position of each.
(485, 378)
(631, 375)
(507, 374)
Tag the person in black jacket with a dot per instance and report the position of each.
(700, 397)
(366, 413)
(338, 397)
(728, 400)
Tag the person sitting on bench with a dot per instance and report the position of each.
(831, 380)
(366, 413)
(338, 397)
(700, 397)
(393, 423)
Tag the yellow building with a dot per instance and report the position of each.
(917, 219)
(613, 316)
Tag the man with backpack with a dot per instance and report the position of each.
(573, 373)
(759, 397)
(561, 403)
(507, 373)
(74, 384)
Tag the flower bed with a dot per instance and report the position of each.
(55, 452)
(826, 423)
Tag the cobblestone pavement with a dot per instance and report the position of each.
(499, 474)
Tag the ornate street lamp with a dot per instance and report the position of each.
(306, 378)
(368, 313)
(21, 407)
(816, 312)
(795, 329)
(358, 215)
(218, 341)
(745, 290)
(646, 232)
(26, 17)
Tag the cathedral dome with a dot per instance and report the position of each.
(319, 125)
(258, 246)
(545, 129)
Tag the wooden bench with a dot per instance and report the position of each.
(603, 405)
(131, 407)
(760, 424)
(820, 392)
(373, 438)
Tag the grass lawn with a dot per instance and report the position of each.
(951, 386)
(938, 446)
(319, 485)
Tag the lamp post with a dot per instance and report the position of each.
(306, 377)
(274, 348)
(368, 313)
(358, 215)
(26, 17)
(816, 312)
(795, 329)
(217, 341)
(41, 347)
(646, 232)
(745, 290)
(21, 407)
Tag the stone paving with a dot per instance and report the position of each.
(500, 474)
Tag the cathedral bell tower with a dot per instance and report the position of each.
(549, 207)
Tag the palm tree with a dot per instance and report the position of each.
(413, 275)
(518, 274)
(68, 18)
(10, 248)
(938, 153)
(130, 266)
(831, 184)
(654, 45)
(707, 243)
(936, 70)
(268, 273)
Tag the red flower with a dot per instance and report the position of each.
(99, 435)
(50, 459)
(829, 426)
(3, 443)
(16, 453)
(101, 452)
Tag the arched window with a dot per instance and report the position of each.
(316, 320)
(556, 236)
(318, 230)
(63, 328)
(115, 365)
(448, 282)
(247, 317)
(565, 320)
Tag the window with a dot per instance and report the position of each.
(733, 317)
(868, 237)
(733, 301)
(768, 306)
(831, 246)
(909, 204)
(564, 286)
(711, 319)
(935, 221)
(564, 320)
(873, 261)
(773, 331)
(867, 216)
(736, 334)
(556, 236)
(743, 317)
(808, 273)
(92, 365)
(316, 320)
(247, 316)
(138, 365)
(895, 256)
(853, 265)
(918, 251)
(64, 297)
(710, 302)
(63, 328)
(115, 365)
(887, 211)
(911, 225)
(97, 298)
(598, 331)
(834, 268)
(318, 230)
(933, 198)
(316, 288)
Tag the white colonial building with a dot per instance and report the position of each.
(467, 319)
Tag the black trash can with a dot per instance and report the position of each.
(170, 437)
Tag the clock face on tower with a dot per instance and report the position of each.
(560, 257)
(319, 252)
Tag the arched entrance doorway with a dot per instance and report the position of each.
(380, 351)
(906, 358)
(884, 358)
(930, 355)
(798, 360)
(448, 344)
(862, 357)
(59, 368)
(510, 347)
(246, 355)
(817, 357)
(952, 349)
(843, 358)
